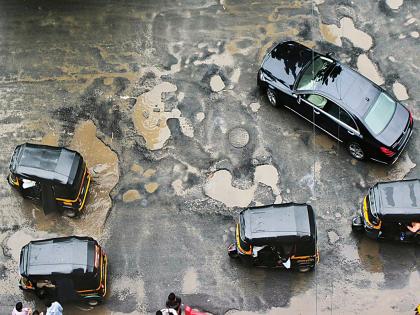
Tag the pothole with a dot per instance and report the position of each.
(238, 137)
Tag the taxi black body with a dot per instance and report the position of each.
(70, 269)
(56, 177)
(338, 100)
(268, 236)
(388, 209)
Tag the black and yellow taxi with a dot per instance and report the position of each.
(69, 269)
(279, 235)
(56, 177)
(391, 211)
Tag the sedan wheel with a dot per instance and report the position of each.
(356, 151)
(272, 98)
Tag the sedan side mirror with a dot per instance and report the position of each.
(330, 55)
(299, 97)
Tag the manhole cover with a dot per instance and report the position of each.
(238, 137)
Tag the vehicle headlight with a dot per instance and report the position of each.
(261, 74)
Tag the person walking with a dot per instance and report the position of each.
(174, 302)
(20, 310)
(54, 308)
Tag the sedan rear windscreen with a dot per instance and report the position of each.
(380, 114)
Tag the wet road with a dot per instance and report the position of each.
(160, 97)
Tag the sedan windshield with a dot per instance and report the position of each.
(380, 113)
(314, 74)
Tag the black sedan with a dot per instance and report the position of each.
(338, 100)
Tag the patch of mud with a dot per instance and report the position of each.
(410, 21)
(333, 34)
(400, 91)
(224, 59)
(131, 195)
(149, 172)
(394, 4)
(333, 237)
(216, 83)
(190, 282)
(137, 169)
(178, 187)
(255, 107)
(236, 46)
(369, 69)
(414, 34)
(219, 186)
(50, 139)
(267, 175)
(150, 118)
(151, 187)
(324, 142)
(103, 165)
(199, 117)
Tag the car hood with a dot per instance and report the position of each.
(285, 62)
(395, 128)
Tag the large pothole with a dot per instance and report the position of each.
(103, 165)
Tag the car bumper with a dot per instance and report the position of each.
(370, 231)
(393, 159)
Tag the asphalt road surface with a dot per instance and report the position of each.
(161, 99)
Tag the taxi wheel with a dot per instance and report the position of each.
(305, 268)
(357, 224)
(232, 251)
(93, 302)
(71, 213)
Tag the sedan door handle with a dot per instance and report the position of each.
(316, 112)
(350, 132)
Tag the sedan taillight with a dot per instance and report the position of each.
(387, 152)
(411, 118)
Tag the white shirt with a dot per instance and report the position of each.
(55, 309)
(168, 311)
(24, 311)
